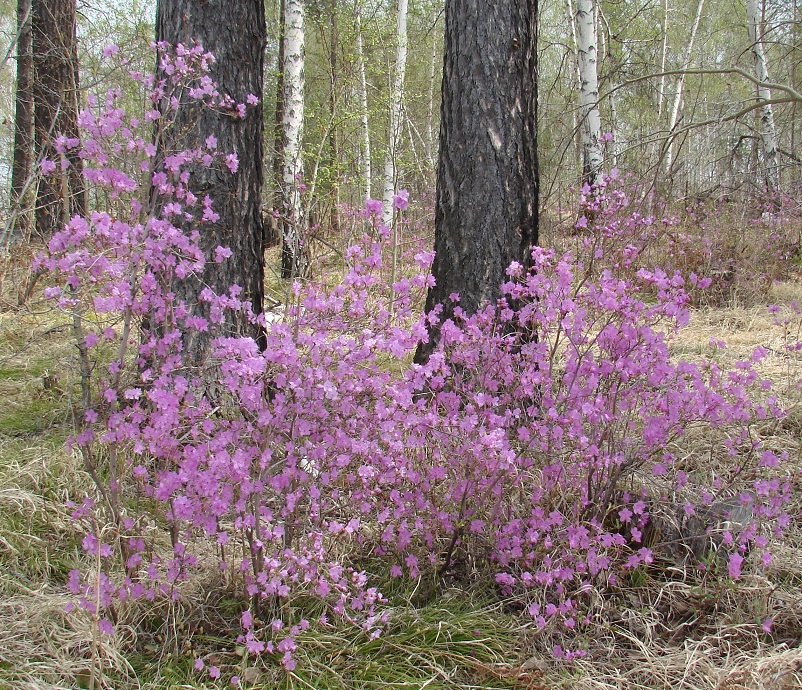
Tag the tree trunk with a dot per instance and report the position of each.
(430, 143)
(55, 95)
(273, 228)
(587, 52)
(576, 138)
(768, 130)
(661, 94)
(487, 179)
(334, 143)
(396, 120)
(235, 33)
(365, 167)
(686, 63)
(294, 254)
(23, 127)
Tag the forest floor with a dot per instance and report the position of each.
(672, 628)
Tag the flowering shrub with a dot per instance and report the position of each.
(621, 227)
(535, 441)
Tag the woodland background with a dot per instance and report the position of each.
(672, 157)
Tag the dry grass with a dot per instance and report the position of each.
(670, 629)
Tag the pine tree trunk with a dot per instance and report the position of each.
(365, 167)
(768, 130)
(55, 95)
(587, 52)
(294, 254)
(235, 33)
(396, 105)
(23, 127)
(486, 213)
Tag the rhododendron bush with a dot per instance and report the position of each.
(622, 226)
(536, 445)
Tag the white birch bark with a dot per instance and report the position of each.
(686, 63)
(293, 254)
(431, 147)
(661, 94)
(605, 41)
(769, 132)
(396, 104)
(365, 166)
(587, 55)
(576, 141)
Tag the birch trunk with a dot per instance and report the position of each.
(612, 97)
(365, 167)
(576, 139)
(431, 147)
(273, 227)
(294, 257)
(686, 63)
(768, 130)
(334, 141)
(661, 94)
(396, 104)
(587, 55)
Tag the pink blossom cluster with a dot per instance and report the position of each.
(534, 441)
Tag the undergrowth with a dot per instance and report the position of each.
(577, 490)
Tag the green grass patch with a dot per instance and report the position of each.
(452, 643)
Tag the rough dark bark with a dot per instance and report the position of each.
(487, 178)
(23, 125)
(55, 95)
(235, 33)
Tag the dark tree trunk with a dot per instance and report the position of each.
(487, 177)
(23, 125)
(235, 33)
(55, 94)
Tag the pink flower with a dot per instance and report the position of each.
(47, 166)
(401, 200)
(232, 162)
(734, 565)
(221, 254)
